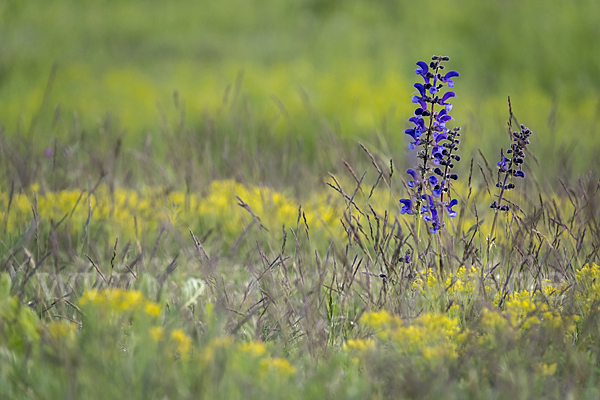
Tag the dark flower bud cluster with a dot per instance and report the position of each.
(510, 165)
(436, 145)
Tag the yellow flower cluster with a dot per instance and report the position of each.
(522, 312)
(588, 293)
(493, 321)
(380, 321)
(434, 336)
(120, 300)
(254, 349)
(246, 353)
(182, 341)
(461, 282)
(548, 369)
(437, 336)
(359, 345)
(179, 341)
(125, 213)
(279, 366)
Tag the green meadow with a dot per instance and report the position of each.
(201, 200)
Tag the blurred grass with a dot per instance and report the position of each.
(300, 70)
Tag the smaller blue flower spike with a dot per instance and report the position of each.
(510, 160)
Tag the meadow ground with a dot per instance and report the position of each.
(202, 200)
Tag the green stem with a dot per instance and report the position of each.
(440, 254)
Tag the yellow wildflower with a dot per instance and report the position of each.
(377, 320)
(280, 366)
(255, 349)
(131, 299)
(548, 369)
(152, 309)
(359, 344)
(183, 341)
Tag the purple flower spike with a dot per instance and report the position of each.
(437, 145)
(448, 78)
(406, 206)
(451, 212)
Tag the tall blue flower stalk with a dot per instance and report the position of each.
(436, 146)
(509, 167)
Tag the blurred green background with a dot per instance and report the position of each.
(300, 81)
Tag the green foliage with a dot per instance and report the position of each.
(18, 324)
